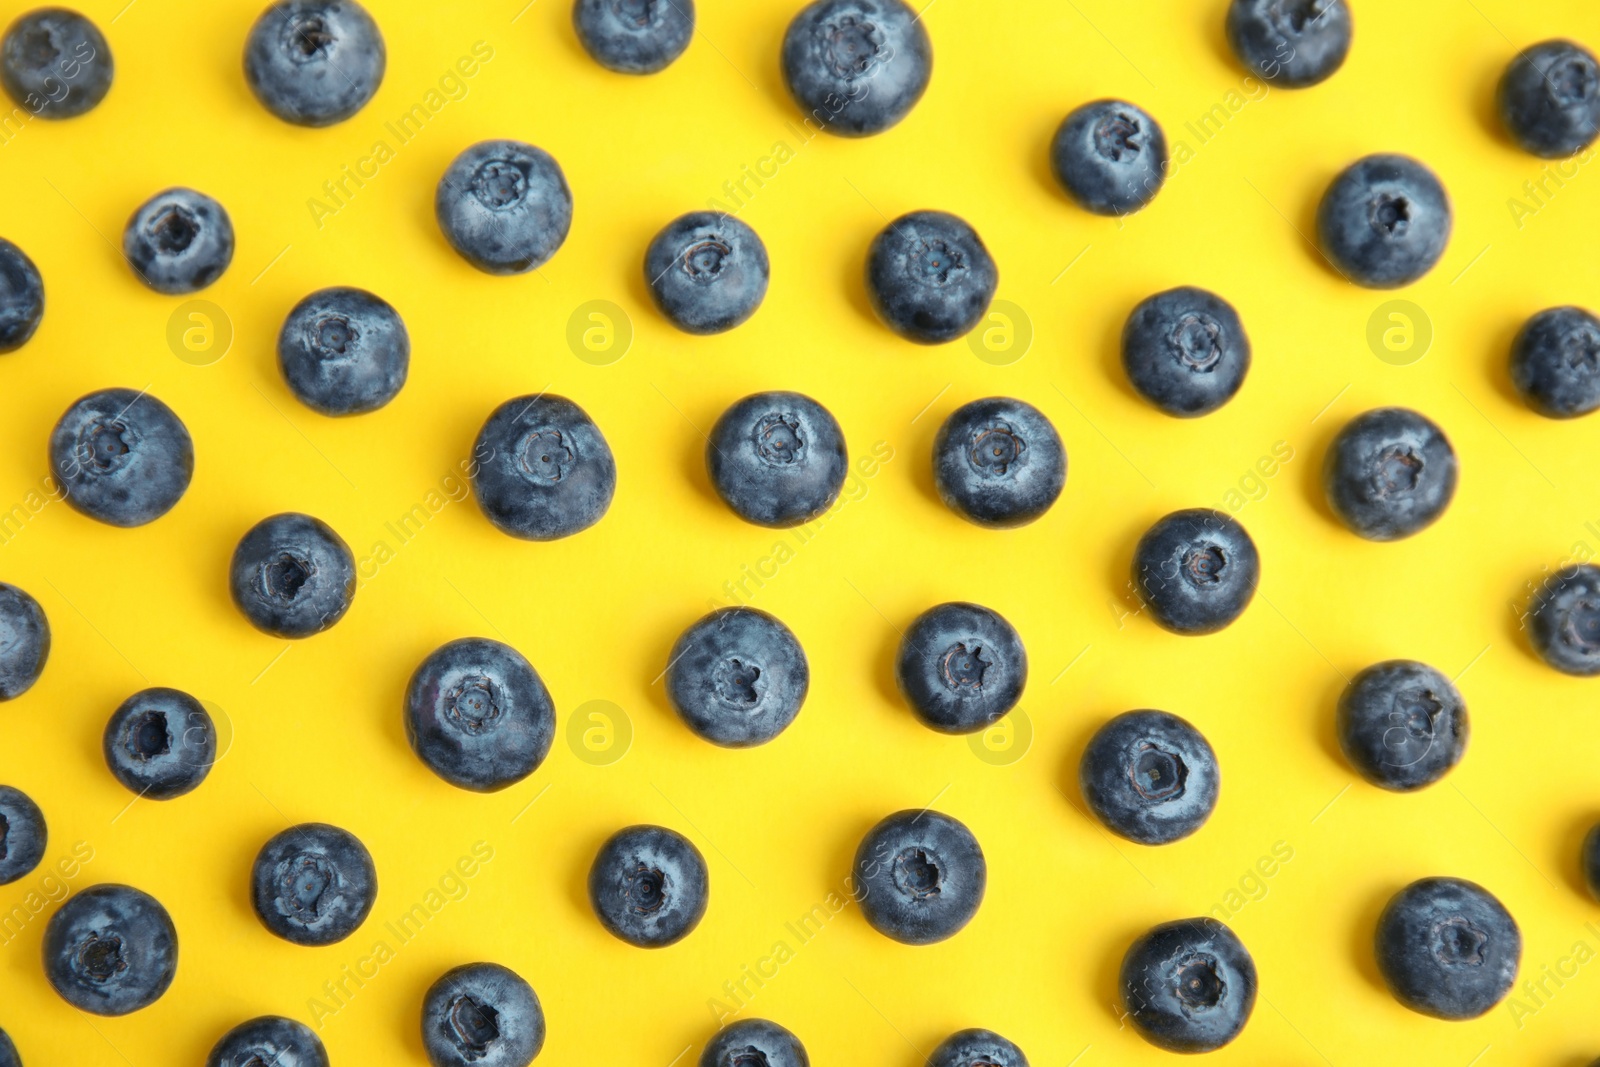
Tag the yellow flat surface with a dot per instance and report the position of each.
(316, 725)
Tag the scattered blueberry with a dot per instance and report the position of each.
(1591, 861)
(313, 884)
(1196, 571)
(8, 1052)
(1185, 351)
(737, 677)
(930, 278)
(1564, 620)
(1150, 776)
(707, 272)
(344, 351)
(961, 667)
(21, 297)
(55, 63)
(111, 950)
(292, 575)
(857, 67)
(269, 1041)
(634, 36)
(777, 459)
(478, 714)
(179, 241)
(919, 876)
(1402, 725)
(24, 641)
(1555, 362)
(544, 469)
(481, 1015)
(754, 1043)
(999, 463)
(314, 62)
(1390, 473)
(977, 1048)
(1110, 156)
(649, 886)
(23, 834)
(1549, 98)
(504, 206)
(1447, 948)
(1290, 43)
(160, 743)
(1189, 985)
(1384, 221)
(122, 457)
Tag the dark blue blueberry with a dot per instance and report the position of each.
(1185, 351)
(1390, 473)
(344, 351)
(314, 62)
(754, 1043)
(777, 459)
(544, 469)
(23, 834)
(977, 1048)
(1189, 985)
(1447, 948)
(1150, 776)
(481, 1015)
(478, 714)
(1402, 725)
(292, 575)
(634, 36)
(1110, 156)
(1590, 861)
(21, 297)
(111, 950)
(649, 886)
(707, 272)
(1384, 221)
(1549, 98)
(122, 457)
(179, 241)
(269, 1041)
(999, 463)
(1290, 43)
(737, 677)
(857, 67)
(1555, 362)
(8, 1052)
(930, 278)
(961, 667)
(1564, 620)
(55, 63)
(160, 743)
(919, 876)
(313, 884)
(1196, 571)
(24, 641)
(504, 206)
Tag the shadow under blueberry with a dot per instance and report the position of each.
(407, 1015)
(578, 879)
(1327, 427)
(1520, 599)
(1311, 192)
(653, 677)
(1043, 171)
(854, 283)
(1108, 976)
(693, 461)
(1362, 932)
(1110, 349)
(1570, 859)
(1213, 28)
(1498, 355)
(1327, 724)
(1067, 783)
(1486, 107)
(920, 449)
(1122, 600)
(884, 671)
(840, 870)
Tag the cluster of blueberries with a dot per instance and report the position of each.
(478, 714)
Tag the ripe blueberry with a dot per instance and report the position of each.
(930, 278)
(544, 469)
(1196, 571)
(1189, 985)
(1390, 473)
(1185, 351)
(24, 641)
(23, 834)
(961, 667)
(269, 1041)
(707, 272)
(777, 459)
(1290, 43)
(919, 876)
(1150, 777)
(55, 63)
(737, 677)
(1384, 221)
(481, 1015)
(1591, 861)
(1110, 156)
(160, 743)
(344, 351)
(478, 714)
(857, 67)
(313, 884)
(21, 297)
(1402, 725)
(111, 950)
(179, 241)
(292, 575)
(1549, 98)
(754, 1043)
(634, 36)
(122, 457)
(649, 886)
(977, 1048)
(999, 463)
(8, 1052)
(1447, 948)
(1555, 362)
(504, 206)
(314, 62)
(1564, 620)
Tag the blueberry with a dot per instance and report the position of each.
(504, 206)
(122, 457)
(314, 62)
(8, 1052)
(55, 63)
(919, 876)
(754, 1043)
(1390, 473)
(999, 463)
(160, 743)
(649, 886)
(930, 278)
(1185, 351)
(478, 714)
(960, 667)
(292, 576)
(313, 884)
(1555, 362)
(23, 834)
(1384, 221)
(1150, 776)
(777, 459)
(1189, 985)
(737, 677)
(857, 67)
(1447, 948)
(1290, 43)
(707, 272)
(1402, 725)
(977, 1048)
(1110, 156)
(21, 297)
(179, 241)
(1549, 98)
(634, 36)
(1564, 620)
(1591, 861)
(269, 1041)
(344, 351)
(111, 950)
(1196, 571)
(481, 1015)
(24, 641)
(544, 469)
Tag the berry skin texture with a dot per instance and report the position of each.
(754, 1043)
(269, 1040)
(1564, 620)
(977, 1048)
(737, 677)
(23, 834)
(21, 297)
(51, 49)
(919, 877)
(179, 241)
(1402, 725)
(649, 886)
(292, 575)
(122, 457)
(634, 36)
(24, 641)
(1447, 948)
(314, 62)
(961, 667)
(1189, 985)
(1591, 861)
(777, 459)
(160, 743)
(1110, 156)
(482, 1015)
(1185, 351)
(543, 469)
(1555, 362)
(857, 67)
(504, 206)
(313, 884)
(707, 271)
(999, 463)
(1384, 222)
(1196, 571)
(930, 278)
(1150, 777)
(1549, 99)
(344, 351)
(1292, 44)
(111, 950)
(1390, 473)
(478, 715)
(8, 1052)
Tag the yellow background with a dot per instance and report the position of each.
(316, 726)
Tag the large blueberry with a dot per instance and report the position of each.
(649, 886)
(544, 469)
(111, 950)
(344, 351)
(1150, 777)
(919, 876)
(1447, 948)
(1384, 221)
(930, 278)
(1196, 571)
(1290, 43)
(977, 1048)
(55, 63)
(21, 297)
(1402, 725)
(478, 714)
(23, 834)
(777, 459)
(24, 641)
(179, 241)
(160, 743)
(314, 62)
(754, 1043)
(1590, 860)
(292, 575)
(1110, 156)
(737, 677)
(122, 457)
(1185, 351)
(269, 1041)
(1189, 985)
(707, 272)
(1564, 620)
(961, 667)
(999, 462)
(504, 206)
(1549, 98)
(634, 36)
(856, 67)
(1389, 473)
(481, 1015)
(313, 884)
(1555, 362)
